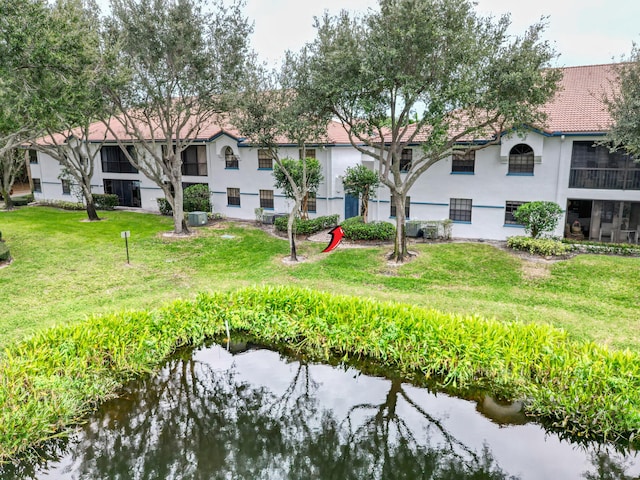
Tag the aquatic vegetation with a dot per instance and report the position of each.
(53, 379)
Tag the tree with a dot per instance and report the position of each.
(25, 51)
(411, 73)
(11, 163)
(623, 104)
(361, 182)
(274, 107)
(538, 217)
(176, 62)
(74, 101)
(50, 71)
(305, 172)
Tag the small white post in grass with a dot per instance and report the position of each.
(126, 234)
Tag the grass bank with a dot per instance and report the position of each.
(56, 377)
(66, 269)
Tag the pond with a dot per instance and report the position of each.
(255, 414)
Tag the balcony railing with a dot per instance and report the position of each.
(605, 178)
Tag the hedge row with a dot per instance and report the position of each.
(308, 226)
(355, 229)
(538, 246)
(604, 248)
(105, 201)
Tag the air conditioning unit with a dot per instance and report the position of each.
(268, 218)
(197, 219)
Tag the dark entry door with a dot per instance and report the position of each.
(128, 191)
(350, 206)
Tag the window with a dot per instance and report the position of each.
(521, 160)
(37, 186)
(510, 209)
(463, 162)
(265, 161)
(194, 160)
(66, 187)
(310, 153)
(460, 209)
(311, 202)
(595, 166)
(230, 160)
(114, 160)
(128, 191)
(33, 156)
(233, 197)
(407, 207)
(266, 199)
(405, 160)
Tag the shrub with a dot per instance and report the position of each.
(4, 252)
(538, 246)
(105, 201)
(309, 226)
(197, 198)
(62, 204)
(164, 206)
(538, 217)
(355, 229)
(22, 201)
(603, 248)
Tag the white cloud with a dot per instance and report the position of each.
(583, 31)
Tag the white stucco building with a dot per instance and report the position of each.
(559, 162)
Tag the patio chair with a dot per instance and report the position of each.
(607, 231)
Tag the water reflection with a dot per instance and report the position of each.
(214, 415)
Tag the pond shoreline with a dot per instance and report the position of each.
(52, 380)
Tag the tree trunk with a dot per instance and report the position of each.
(400, 243)
(92, 213)
(8, 203)
(304, 214)
(364, 208)
(292, 238)
(179, 222)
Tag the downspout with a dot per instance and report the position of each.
(560, 227)
(329, 177)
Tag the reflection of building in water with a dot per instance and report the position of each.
(263, 415)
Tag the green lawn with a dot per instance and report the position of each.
(66, 269)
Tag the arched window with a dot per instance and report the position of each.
(521, 160)
(231, 160)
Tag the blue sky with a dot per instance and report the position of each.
(583, 32)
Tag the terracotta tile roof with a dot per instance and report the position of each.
(579, 107)
(99, 132)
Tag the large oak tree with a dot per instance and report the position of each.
(73, 101)
(427, 72)
(176, 61)
(623, 103)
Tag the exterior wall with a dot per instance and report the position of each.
(489, 187)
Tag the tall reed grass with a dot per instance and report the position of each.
(55, 378)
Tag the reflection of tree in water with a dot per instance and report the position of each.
(193, 422)
(608, 467)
